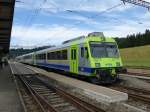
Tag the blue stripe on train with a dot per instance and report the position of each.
(86, 69)
(66, 67)
(56, 66)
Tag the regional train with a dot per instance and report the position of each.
(94, 56)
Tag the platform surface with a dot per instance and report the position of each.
(9, 99)
(18, 68)
(97, 92)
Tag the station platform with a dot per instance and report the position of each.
(9, 98)
(18, 68)
(99, 93)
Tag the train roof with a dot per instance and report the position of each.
(24, 55)
(95, 36)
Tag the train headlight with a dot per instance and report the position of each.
(97, 65)
(118, 64)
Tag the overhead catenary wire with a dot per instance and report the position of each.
(99, 13)
(37, 11)
(34, 16)
(105, 11)
(30, 19)
(77, 23)
(94, 16)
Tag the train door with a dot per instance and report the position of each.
(74, 59)
(34, 58)
(85, 55)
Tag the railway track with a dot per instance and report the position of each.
(51, 99)
(139, 71)
(134, 93)
(30, 102)
(138, 74)
(138, 98)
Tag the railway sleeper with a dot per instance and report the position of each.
(69, 109)
(58, 101)
(37, 89)
(53, 96)
(38, 86)
(61, 105)
(65, 108)
(43, 92)
(55, 99)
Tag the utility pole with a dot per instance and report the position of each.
(139, 3)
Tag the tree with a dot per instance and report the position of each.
(134, 40)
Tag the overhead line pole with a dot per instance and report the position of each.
(142, 3)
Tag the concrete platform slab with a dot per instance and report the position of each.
(18, 68)
(96, 92)
(9, 99)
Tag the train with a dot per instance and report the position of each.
(94, 56)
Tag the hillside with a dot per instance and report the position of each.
(136, 56)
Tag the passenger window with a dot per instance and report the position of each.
(86, 52)
(75, 54)
(72, 54)
(64, 54)
(52, 55)
(58, 55)
(49, 56)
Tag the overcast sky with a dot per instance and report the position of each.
(51, 23)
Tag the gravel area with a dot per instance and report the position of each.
(134, 82)
(139, 104)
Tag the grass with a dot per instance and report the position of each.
(136, 56)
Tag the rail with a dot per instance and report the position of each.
(54, 99)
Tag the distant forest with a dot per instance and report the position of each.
(134, 40)
(20, 51)
(130, 41)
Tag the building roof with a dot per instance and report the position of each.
(6, 19)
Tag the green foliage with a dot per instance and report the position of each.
(20, 51)
(134, 40)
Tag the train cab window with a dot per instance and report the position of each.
(82, 52)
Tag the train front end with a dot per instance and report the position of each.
(105, 59)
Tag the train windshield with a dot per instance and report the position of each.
(104, 49)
